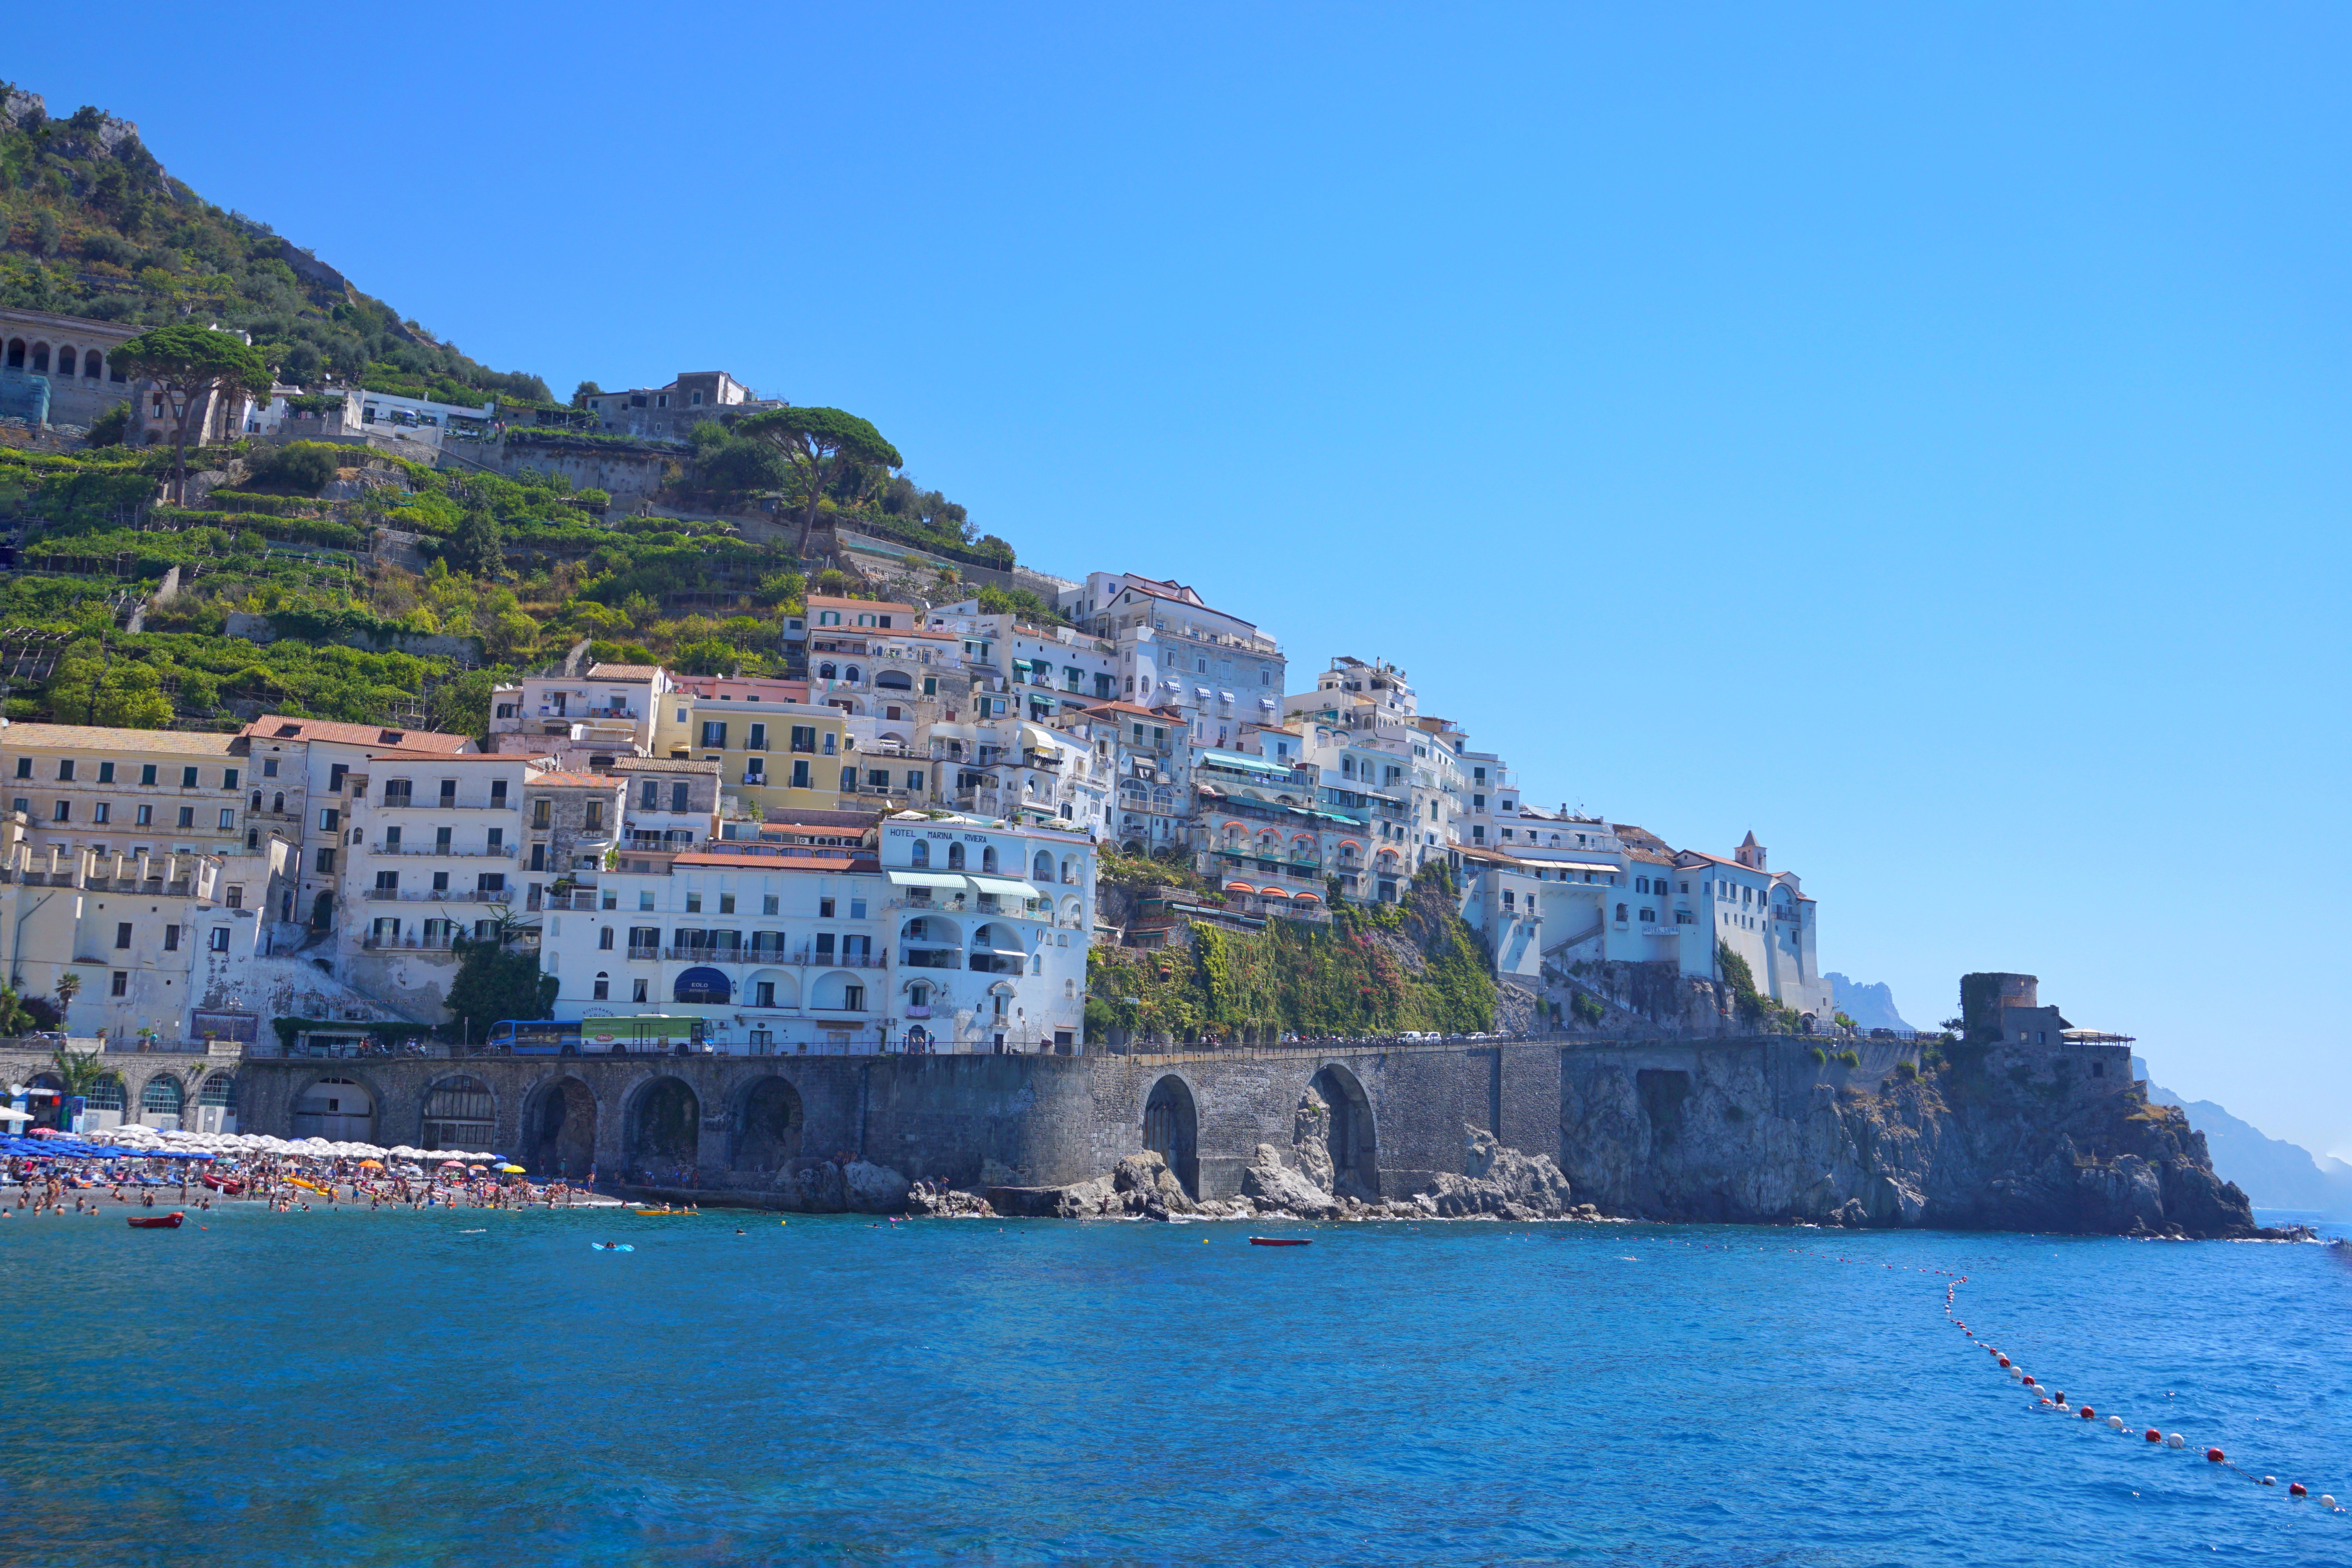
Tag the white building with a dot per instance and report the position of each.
(1172, 650)
(586, 717)
(928, 934)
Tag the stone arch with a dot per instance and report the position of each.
(920, 855)
(1042, 871)
(1353, 1137)
(662, 1129)
(558, 1128)
(41, 359)
(769, 1120)
(460, 1113)
(1172, 1130)
(335, 1108)
(162, 1100)
(16, 353)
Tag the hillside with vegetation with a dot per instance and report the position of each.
(91, 225)
(386, 590)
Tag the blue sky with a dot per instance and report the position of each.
(1915, 434)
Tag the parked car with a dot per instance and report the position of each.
(1882, 1034)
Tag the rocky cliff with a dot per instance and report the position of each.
(1992, 1141)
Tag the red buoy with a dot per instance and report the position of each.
(2154, 1435)
(2296, 1488)
(2004, 1359)
(2214, 1455)
(2029, 1380)
(2086, 1413)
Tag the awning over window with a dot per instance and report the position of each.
(928, 880)
(1004, 888)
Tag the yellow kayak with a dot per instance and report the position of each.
(657, 1213)
(314, 1186)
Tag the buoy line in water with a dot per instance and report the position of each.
(2052, 1399)
(2055, 1399)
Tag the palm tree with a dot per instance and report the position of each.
(69, 987)
(80, 1071)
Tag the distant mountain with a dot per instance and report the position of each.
(1872, 1006)
(2275, 1174)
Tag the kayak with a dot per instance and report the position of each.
(612, 1247)
(1278, 1241)
(228, 1184)
(157, 1221)
(657, 1213)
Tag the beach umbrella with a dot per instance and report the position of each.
(512, 1170)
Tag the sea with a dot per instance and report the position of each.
(488, 1388)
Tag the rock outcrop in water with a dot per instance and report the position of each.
(1994, 1141)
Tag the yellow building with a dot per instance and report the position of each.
(776, 749)
(131, 792)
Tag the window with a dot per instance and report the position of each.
(448, 793)
(103, 811)
(757, 739)
(171, 937)
(122, 935)
(146, 815)
(147, 774)
(63, 812)
(330, 819)
(497, 792)
(763, 994)
(678, 797)
(602, 989)
(188, 816)
(388, 882)
(1621, 914)
(714, 733)
(849, 780)
(593, 816)
(768, 903)
(955, 856)
(542, 811)
(726, 903)
(270, 767)
(645, 899)
(219, 939)
(800, 775)
(694, 903)
(228, 775)
(236, 896)
(121, 986)
(853, 998)
(227, 820)
(921, 853)
(804, 738)
(187, 778)
(496, 838)
(326, 862)
(637, 991)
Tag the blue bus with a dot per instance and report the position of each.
(652, 1033)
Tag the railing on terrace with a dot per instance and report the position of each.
(406, 943)
(802, 959)
(445, 852)
(440, 895)
(435, 803)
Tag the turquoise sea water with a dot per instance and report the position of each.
(355, 1389)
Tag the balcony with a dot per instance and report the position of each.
(375, 943)
(929, 958)
(410, 803)
(501, 851)
(443, 896)
(802, 959)
(644, 952)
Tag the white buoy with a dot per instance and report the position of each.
(2327, 1499)
(2270, 1480)
(2176, 1441)
(2116, 1422)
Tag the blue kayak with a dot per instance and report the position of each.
(612, 1247)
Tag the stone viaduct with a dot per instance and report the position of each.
(1716, 1126)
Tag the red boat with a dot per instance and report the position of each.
(228, 1184)
(157, 1221)
(1278, 1241)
